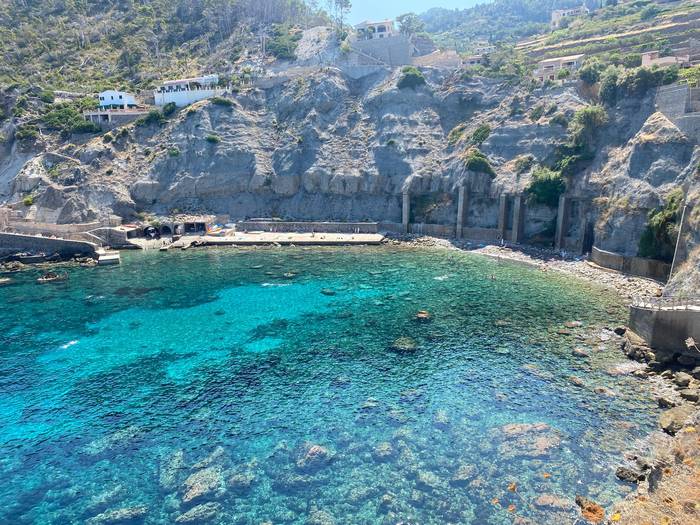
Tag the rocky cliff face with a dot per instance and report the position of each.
(325, 147)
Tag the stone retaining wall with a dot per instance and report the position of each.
(649, 268)
(665, 331)
(15, 242)
(303, 226)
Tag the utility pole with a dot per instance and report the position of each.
(678, 241)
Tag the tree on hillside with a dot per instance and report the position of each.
(339, 10)
(410, 24)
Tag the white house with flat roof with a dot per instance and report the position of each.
(547, 69)
(113, 99)
(560, 14)
(375, 30)
(185, 91)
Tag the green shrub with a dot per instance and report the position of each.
(220, 101)
(174, 152)
(283, 42)
(27, 132)
(537, 113)
(476, 161)
(68, 120)
(658, 241)
(107, 138)
(523, 163)
(563, 74)
(480, 134)
(28, 200)
(47, 96)
(213, 139)
(169, 109)
(3, 115)
(153, 117)
(586, 124)
(455, 134)
(649, 12)
(546, 187)
(559, 119)
(411, 77)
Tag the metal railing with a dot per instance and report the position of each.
(666, 303)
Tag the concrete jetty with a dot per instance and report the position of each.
(281, 239)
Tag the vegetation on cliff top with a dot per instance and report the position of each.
(411, 77)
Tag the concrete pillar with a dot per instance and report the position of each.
(462, 204)
(562, 222)
(518, 217)
(406, 211)
(502, 220)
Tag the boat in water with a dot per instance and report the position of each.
(52, 277)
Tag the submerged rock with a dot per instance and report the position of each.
(200, 513)
(241, 482)
(552, 501)
(217, 456)
(404, 345)
(313, 457)
(427, 481)
(533, 440)
(579, 352)
(119, 439)
(171, 469)
(577, 381)
(120, 516)
(103, 500)
(319, 517)
(205, 483)
(464, 474)
(383, 452)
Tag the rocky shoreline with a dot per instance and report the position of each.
(664, 466)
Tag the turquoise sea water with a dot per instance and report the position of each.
(272, 371)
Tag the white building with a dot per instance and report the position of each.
(483, 48)
(185, 91)
(373, 30)
(559, 14)
(549, 68)
(112, 99)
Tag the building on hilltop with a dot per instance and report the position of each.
(560, 14)
(112, 99)
(375, 30)
(475, 60)
(654, 58)
(184, 91)
(483, 48)
(547, 69)
(115, 108)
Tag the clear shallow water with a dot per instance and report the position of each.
(114, 385)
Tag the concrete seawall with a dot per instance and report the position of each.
(15, 242)
(666, 330)
(649, 268)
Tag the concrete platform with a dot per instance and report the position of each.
(282, 239)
